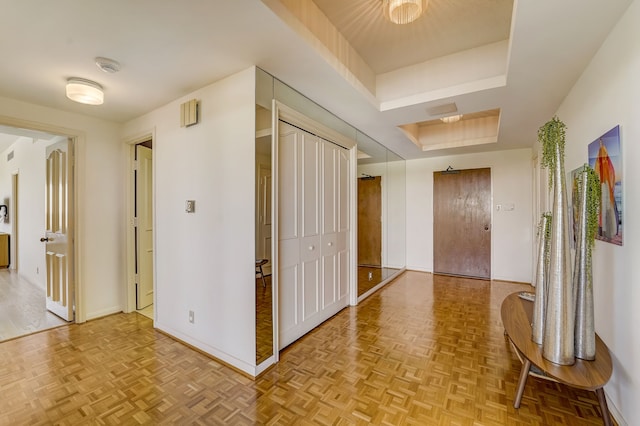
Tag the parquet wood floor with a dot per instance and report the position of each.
(147, 312)
(264, 320)
(425, 350)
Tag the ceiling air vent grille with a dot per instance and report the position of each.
(443, 109)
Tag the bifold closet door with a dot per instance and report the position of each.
(335, 227)
(313, 231)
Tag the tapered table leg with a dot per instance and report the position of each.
(524, 373)
(606, 417)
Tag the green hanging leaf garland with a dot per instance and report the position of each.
(550, 135)
(593, 208)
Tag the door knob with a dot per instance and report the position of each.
(44, 239)
(486, 227)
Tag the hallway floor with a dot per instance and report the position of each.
(424, 350)
(22, 307)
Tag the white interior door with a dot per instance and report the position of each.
(313, 231)
(144, 227)
(59, 229)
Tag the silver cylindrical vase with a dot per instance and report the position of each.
(585, 335)
(541, 281)
(559, 323)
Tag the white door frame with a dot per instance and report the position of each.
(281, 111)
(78, 140)
(130, 283)
(13, 217)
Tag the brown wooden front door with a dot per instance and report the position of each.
(370, 221)
(462, 223)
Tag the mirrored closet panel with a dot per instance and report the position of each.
(263, 216)
(380, 200)
(381, 216)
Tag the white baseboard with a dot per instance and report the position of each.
(418, 269)
(615, 413)
(104, 312)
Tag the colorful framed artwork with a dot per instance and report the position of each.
(605, 157)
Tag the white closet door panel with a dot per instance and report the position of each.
(310, 248)
(343, 275)
(342, 241)
(310, 185)
(329, 279)
(343, 190)
(330, 244)
(288, 296)
(330, 203)
(289, 253)
(329, 269)
(329, 190)
(310, 288)
(288, 178)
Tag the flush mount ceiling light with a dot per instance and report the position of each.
(403, 11)
(84, 91)
(451, 118)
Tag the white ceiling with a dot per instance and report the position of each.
(169, 48)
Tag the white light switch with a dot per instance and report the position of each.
(190, 206)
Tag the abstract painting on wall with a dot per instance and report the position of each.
(605, 157)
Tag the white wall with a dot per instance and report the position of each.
(205, 260)
(608, 94)
(100, 225)
(29, 163)
(512, 231)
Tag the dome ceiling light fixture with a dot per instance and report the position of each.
(107, 65)
(403, 11)
(451, 118)
(84, 91)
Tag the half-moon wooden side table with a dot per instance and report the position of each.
(517, 315)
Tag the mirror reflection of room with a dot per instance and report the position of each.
(264, 297)
(381, 180)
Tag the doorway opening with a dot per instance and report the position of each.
(141, 242)
(37, 182)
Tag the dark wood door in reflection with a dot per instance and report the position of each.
(462, 223)
(370, 221)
